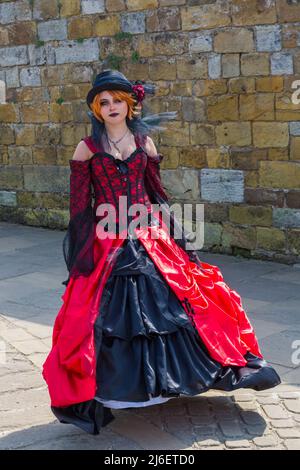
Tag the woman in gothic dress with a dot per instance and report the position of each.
(143, 320)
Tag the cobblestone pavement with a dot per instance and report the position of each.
(31, 272)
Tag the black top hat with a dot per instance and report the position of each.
(108, 80)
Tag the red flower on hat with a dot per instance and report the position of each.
(139, 91)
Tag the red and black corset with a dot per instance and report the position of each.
(106, 179)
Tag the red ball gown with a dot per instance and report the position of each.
(142, 320)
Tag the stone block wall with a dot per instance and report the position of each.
(228, 67)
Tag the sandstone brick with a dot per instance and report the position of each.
(162, 71)
(30, 76)
(280, 175)
(295, 148)
(14, 11)
(21, 33)
(106, 26)
(230, 65)
(24, 134)
(244, 159)
(251, 178)
(69, 8)
(9, 112)
(72, 51)
(269, 84)
(189, 68)
(284, 217)
(11, 56)
(192, 157)
(52, 30)
(218, 185)
(80, 27)
(169, 43)
(282, 63)
(294, 128)
(193, 109)
(71, 134)
(285, 108)
(293, 239)
(45, 10)
(212, 237)
(61, 112)
(234, 40)
(264, 196)
(145, 46)
(278, 153)
(240, 237)
(216, 212)
(233, 133)
(181, 88)
(7, 136)
(293, 199)
(210, 87)
(133, 22)
(216, 158)
(290, 35)
(44, 155)
(222, 108)
(251, 215)
(201, 43)
(202, 134)
(141, 4)
(41, 55)
(12, 77)
(164, 19)
(255, 63)
(4, 39)
(11, 177)
(268, 38)
(288, 11)
(270, 134)
(241, 85)
(257, 106)
(20, 155)
(45, 178)
(246, 12)
(115, 5)
(182, 183)
(92, 6)
(8, 198)
(171, 158)
(214, 65)
(53, 75)
(32, 113)
(177, 134)
(205, 16)
(270, 239)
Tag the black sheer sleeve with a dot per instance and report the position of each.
(78, 241)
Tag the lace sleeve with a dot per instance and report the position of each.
(153, 182)
(78, 241)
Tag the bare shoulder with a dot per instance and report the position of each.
(82, 152)
(150, 147)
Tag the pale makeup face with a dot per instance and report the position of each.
(110, 105)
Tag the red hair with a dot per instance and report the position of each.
(118, 94)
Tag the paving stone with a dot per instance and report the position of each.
(265, 441)
(275, 412)
(292, 405)
(292, 444)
